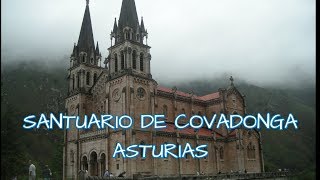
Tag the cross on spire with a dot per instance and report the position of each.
(231, 79)
(86, 41)
(174, 89)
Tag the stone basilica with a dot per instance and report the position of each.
(125, 86)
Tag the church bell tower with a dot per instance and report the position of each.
(130, 88)
(83, 74)
(129, 52)
(85, 58)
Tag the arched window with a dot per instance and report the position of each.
(248, 151)
(134, 60)
(93, 164)
(165, 110)
(141, 61)
(73, 81)
(83, 58)
(251, 151)
(72, 156)
(94, 78)
(84, 163)
(116, 63)
(78, 80)
(88, 78)
(122, 60)
(221, 153)
(103, 164)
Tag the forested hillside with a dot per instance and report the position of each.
(29, 88)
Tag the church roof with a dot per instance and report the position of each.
(168, 90)
(86, 41)
(205, 132)
(207, 97)
(170, 128)
(128, 14)
(211, 96)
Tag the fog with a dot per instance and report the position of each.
(264, 42)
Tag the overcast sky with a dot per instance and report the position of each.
(262, 41)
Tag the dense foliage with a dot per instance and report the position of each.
(29, 88)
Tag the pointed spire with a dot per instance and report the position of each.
(97, 49)
(74, 49)
(115, 27)
(86, 42)
(128, 14)
(142, 25)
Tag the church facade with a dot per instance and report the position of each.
(125, 86)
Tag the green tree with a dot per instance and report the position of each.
(13, 161)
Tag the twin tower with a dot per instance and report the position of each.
(125, 86)
(128, 52)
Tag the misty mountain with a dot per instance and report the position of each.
(31, 88)
(278, 146)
